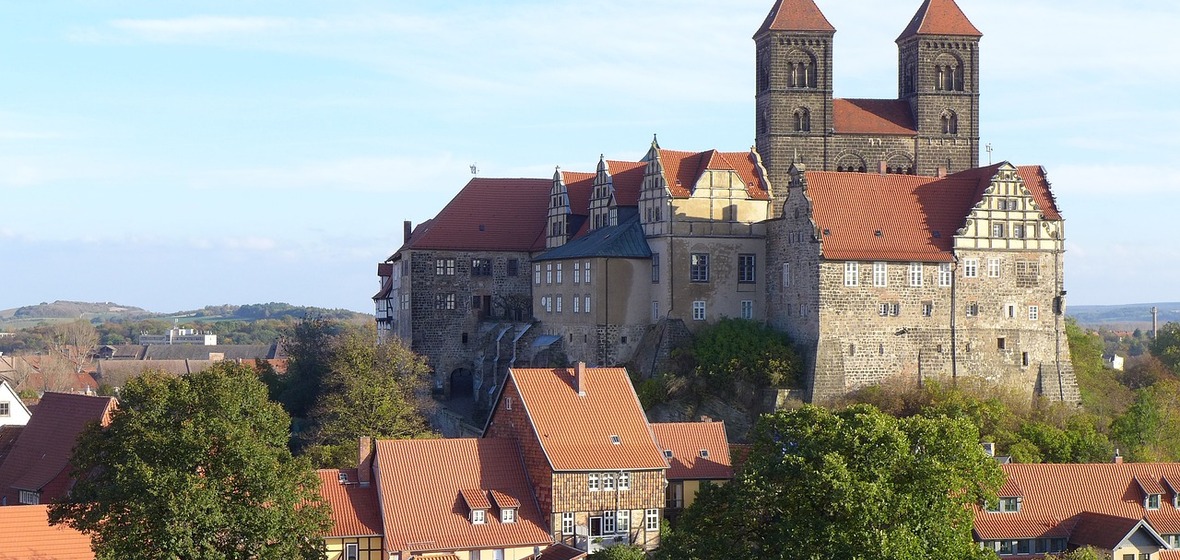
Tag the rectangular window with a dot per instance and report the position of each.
(4, 410)
(997, 230)
(586, 273)
(655, 311)
(1018, 231)
(624, 522)
(608, 524)
(498, 554)
(405, 301)
(970, 268)
(851, 273)
(972, 309)
(698, 310)
(558, 306)
(30, 498)
(746, 268)
(558, 273)
(577, 272)
(608, 481)
(444, 267)
(567, 523)
(698, 270)
(478, 517)
(1028, 274)
(577, 304)
(655, 268)
(508, 515)
(481, 267)
(993, 268)
(593, 482)
(944, 275)
(352, 551)
(1024, 359)
(1034, 313)
(586, 303)
(883, 309)
(927, 308)
(595, 527)
(1009, 505)
(624, 481)
(880, 274)
(895, 309)
(786, 275)
(747, 309)
(548, 301)
(651, 519)
(537, 274)
(916, 274)
(1001, 344)
(513, 267)
(548, 273)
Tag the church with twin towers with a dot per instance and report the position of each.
(865, 229)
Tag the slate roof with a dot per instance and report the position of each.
(43, 450)
(625, 241)
(686, 440)
(200, 352)
(682, 170)
(940, 17)
(8, 435)
(355, 512)
(422, 511)
(917, 216)
(795, 15)
(575, 431)
(25, 533)
(873, 116)
(489, 215)
(1096, 504)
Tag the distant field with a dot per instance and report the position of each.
(1123, 317)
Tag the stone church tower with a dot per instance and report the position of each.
(932, 127)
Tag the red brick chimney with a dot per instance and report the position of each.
(364, 463)
(1118, 459)
(580, 378)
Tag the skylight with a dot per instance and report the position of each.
(616, 440)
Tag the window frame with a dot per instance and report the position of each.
(994, 265)
(699, 310)
(916, 275)
(747, 268)
(567, 523)
(651, 519)
(880, 274)
(945, 275)
(747, 312)
(851, 274)
(698, 267)
(655, 268)
(970, 268)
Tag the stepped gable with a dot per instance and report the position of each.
(940, 17)
(873, 116)
(40, 459)
(489, 215)
(25, 532)
(917, 217)
(422, 482)
(355, 512)
(682, 170)
(795, 15)
(686, 441)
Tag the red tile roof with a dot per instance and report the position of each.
(627, 179)
(578, 186)
(575, 431)
(504, 500)
(420, 482)
(475, 499)
(489, 215)
(25, 533)
(355, 512)
(940, 17)
(795, 15)
(682, 170)
(873, 116)
(562, 552)
(917, 216)
(42, 452)
(1092, 502)
(686, 440)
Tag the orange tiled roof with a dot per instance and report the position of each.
(627, 179)
(575, 431)
(562, 552)
(422, 510)
(490, 215)
(43, 450)
(355, 512)
(795, 15)
(504, 500)
(475, 499)
(940, 17)
(578, 186)
(686, 440)
(25, 532)
(873, 116)
(917, 217)
(1092, 502)
(682, 170)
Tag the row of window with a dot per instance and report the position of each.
(698, 268)
(1031, 546)
(479, 516)
(555, 273)
(553, 304)
(479, 267)
(607, 481)
(611, 522)
(914, 274)
(1019, 230)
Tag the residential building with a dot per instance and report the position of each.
(1129, 511)
(356, 513)
(25, 532)
(13, 411)
(178, 335)
(697, 455)
(37, 469)
(597, 473)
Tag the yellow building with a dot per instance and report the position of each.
(697, 454)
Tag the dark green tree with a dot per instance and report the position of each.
(737, 349)
(195, 467)
(619, 552)
(309, 351)
(850, 484)
(1166, 346)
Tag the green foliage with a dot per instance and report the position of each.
(1102, 394)
(856, 483)
(740, 350)
(653, 391)
(309, 355)
(619, 552)
(1083, 553)
(195, 467)
(1166, 346)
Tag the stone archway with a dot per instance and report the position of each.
(462, 383)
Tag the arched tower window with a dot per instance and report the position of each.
(802, 119)
(851, 163)
(899, 164)
(801, 69)
(948, 73)
(950, 122)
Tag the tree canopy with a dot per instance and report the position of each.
(854, 484)
(737, 349)
(195, 467)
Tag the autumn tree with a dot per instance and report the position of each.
(1166, 346)
(195, 467)
(74, 342)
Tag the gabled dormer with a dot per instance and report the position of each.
(1173, 486)
(601, 196)
(1008, 500)
(654, 199)
(558, 229)
(507, 506)
(477, 505)
(1151, 490)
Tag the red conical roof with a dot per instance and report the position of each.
(795, 15)
(940, 17)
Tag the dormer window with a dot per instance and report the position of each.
(616, 440)
(1005, 505)
(479, 516)
(1152, 501)
(668, 454)
(508, 515)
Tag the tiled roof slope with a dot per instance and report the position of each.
(627, 179)
(355, 512)
(908, 210)
(25, 534)
(625, 240)
(8, 436)
(422, 511)
(43, 450)
(686, 440)
(795, 15)
(1060, 499)
(873, 116)
(562, 552)
(199, 352)
(940, 17)
(490, 215)
(682, 170)
(575, 431)
(578, 186)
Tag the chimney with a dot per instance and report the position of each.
(882, 167)
(941, 172)
(580, 378)
(705, 418)
(407, 229)
(1118, 459)
(364, 462)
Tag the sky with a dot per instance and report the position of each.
(171, 155)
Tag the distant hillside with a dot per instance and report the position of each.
(1128, 317)
(60, 311)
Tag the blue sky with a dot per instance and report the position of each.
(172, 155)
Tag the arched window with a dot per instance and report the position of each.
(801, 69)
(851, 163)
(948, 73)
(802, 120)
(950, 122)
(763, 70)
